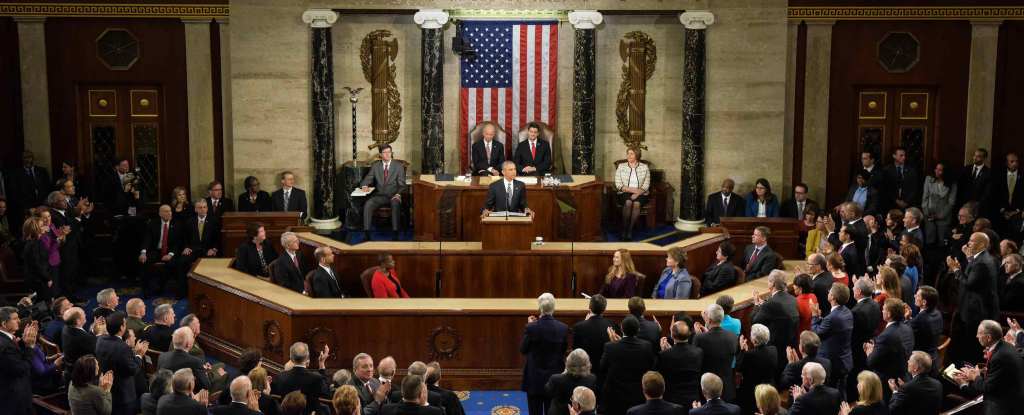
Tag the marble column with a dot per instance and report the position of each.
(584, 84)
(691, 197)
(226, 111)
(35, 94)
(788, 130)
(322, 97)
(432, 23)
(199, 86)
(816, 96)
(981, 87)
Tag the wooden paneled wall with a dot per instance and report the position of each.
(1008, 132)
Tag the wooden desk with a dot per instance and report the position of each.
(476, 340)
(785, 233)
(275, 223)
(506, 233)
(450, 211)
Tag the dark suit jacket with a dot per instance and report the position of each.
(28, 190)
(715, 209)
(115, 355)
(922, 395)
(970, 188)
(927, 326)
(247, 259)
(406, 408)
(159, 336)
(779, 313)
(75, 343)
(224, 205)
(284, 273)
(771, 206)
(110, 191)
(887, 359)
(820, 400)
(262, 204)
(910, 185)
(875, 251)
(544, 343)
(979, 298)
(591, 335)
(325, 286)
(395, 182)
(310, 383)
(650, 331)
(559, 389)
(821, 283)
(870, 202)
(296, 201)
(1003, 384)
(681, 366)
(789, 208)
(449, 400)
(791, 375)
(200, 244)
(758, 365)
(657, 407)
(542, 162)
(480, 161)
(1001, 193)
(853, 260)
(234, 408)
(866, 317)
(16, 370)
(176, 404)
(1012, 298)
(497, 197)
(718, 277)
(151, 238)
(720, 348)
(177, 359)
(716, 407)
(763, 264)
(624, 364)
(835, 331)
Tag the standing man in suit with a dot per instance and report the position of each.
(533, 156)
(1003, 380)
(903, 182)
(544, 343)
(680, 363)
(795, 207)
(181, 401)
(289, 198)
(362, 378)
(414, 399)
(869, 164)
(654, 389)
(848, 251)
(76, 341)
(835, 331)
(449, 400)
(123, 356)
(114, 189)
(239, 390)
(650, 330)
(813, 397)
(711, 387)
(311, 383)
(507, 194)
(387, 177)
(758, 258)
(161, 243)
(289, 270)
(809, 345)
(623, 363)
(29, 184)
(723, 204)
(866, 317)
(927, 325)
(178, 358)
(975, 181)
(14, 362)
(324, 282)
(488, 154)
(887, 354)
(863, 193)
(216, 201)
(912, 226)
(922, 395)
(779, 313)
(821, 281)
(719, 347)
(591, 334)
(1008, 199)
(979, 294)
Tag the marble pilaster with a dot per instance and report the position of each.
(432, 23)
(584, 84)
(226, 108)
(35, 95)
(199, 84)
(816, 96)
(322, 97)
(981, 87)
(788, 145)
(691, 197)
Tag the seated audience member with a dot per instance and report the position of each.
(1012, 292)
(55, 326)
(159, 333)
(387, 178)
(768, 400)
(808, 352)
(722, 274)
(922, 395)
(256, 253)
(76, 341)
(289, 198)
(488, 154)
(812, 397)
(560, 386)
(757, 363)
(591, 334)
(729, 323)
(161, 244)
(863, 194)
(178, 358)
(289, 270)
(724, 204)
(622, 279)
(119, 352)
(202, 234)
(1002, 382)
(623, 364)
(294, 403)
(216, 201)
(345, 401)
(719, 347)
(449, 399)
(654, 389)
(136, 311)
(261, 385)
(795, 207)
(385, 283)
(761, 202)
(758, 258)
(158, 387)
(711, 387)
(310, 383)
(89, 392)
(544, 343)
(675, 282)
(805, 299)
(241, 395)
(533, 156)
(106, 301)
(927, 325)
(254, 199)
(324, 282)
(632, 182)
(869, 388)
(779, 313)
(414, 399)
(583, 402)
(181, 209)
(835, 331)
(817, 238)
(937, 202)
(181, 400)
(680, 364)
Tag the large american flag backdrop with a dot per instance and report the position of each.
(511, 80)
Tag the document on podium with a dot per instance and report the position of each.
(359, 192)
(503, 214)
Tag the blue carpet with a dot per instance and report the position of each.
(493, 402)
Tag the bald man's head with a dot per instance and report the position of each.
(74, 317)
(240, 388)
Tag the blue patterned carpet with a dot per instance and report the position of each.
(493, 402)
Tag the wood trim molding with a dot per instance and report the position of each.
(905, 13)
(114, 10)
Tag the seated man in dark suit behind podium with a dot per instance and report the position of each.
(387, 177)
(324, 282)
(498, 197)
(289, 269)
(488, 153)
(533, 155)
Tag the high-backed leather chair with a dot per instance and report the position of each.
(477, 134)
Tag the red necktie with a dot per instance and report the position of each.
(533, 150)
(988, 356)
(295, 260)
(753, 257)
(163, 241)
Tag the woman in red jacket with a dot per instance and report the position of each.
(385, 283)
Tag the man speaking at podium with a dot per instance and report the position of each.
(507, 194)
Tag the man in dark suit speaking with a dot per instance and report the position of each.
(507, 194)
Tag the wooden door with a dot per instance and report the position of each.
(891, 117)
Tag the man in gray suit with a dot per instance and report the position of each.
(388, 179)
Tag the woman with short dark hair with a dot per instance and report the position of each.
(85, 397)
(385, 282)
(255, 254)
(254, 199)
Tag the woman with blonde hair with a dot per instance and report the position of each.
(180, 208)
(261, 384)
(622, 278)
(869, 387)
(768, 401)
(345, 401)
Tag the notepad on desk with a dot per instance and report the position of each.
(359, 191)
(502, 214)
(527, 180)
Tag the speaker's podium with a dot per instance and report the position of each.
(502, 231)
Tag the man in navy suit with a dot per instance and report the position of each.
(903, 182)
(887, 354)
(498, 197)
(544, 343)
(723, 204)
(533, 156)
(654, 389)
(835, 331)
(711, 387)
(123, 356)
(927, 325)
(289, 198)
(488, 153)
(310, 382)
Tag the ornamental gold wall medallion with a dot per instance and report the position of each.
(377, 55)
(639, 56)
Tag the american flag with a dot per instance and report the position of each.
(511, 80)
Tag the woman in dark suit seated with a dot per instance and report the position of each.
(254, 199)
(385, 283)
(761, 202)
(622, 278)
(255, 254)
(560, 386)
(675, 282)
(722, 274)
